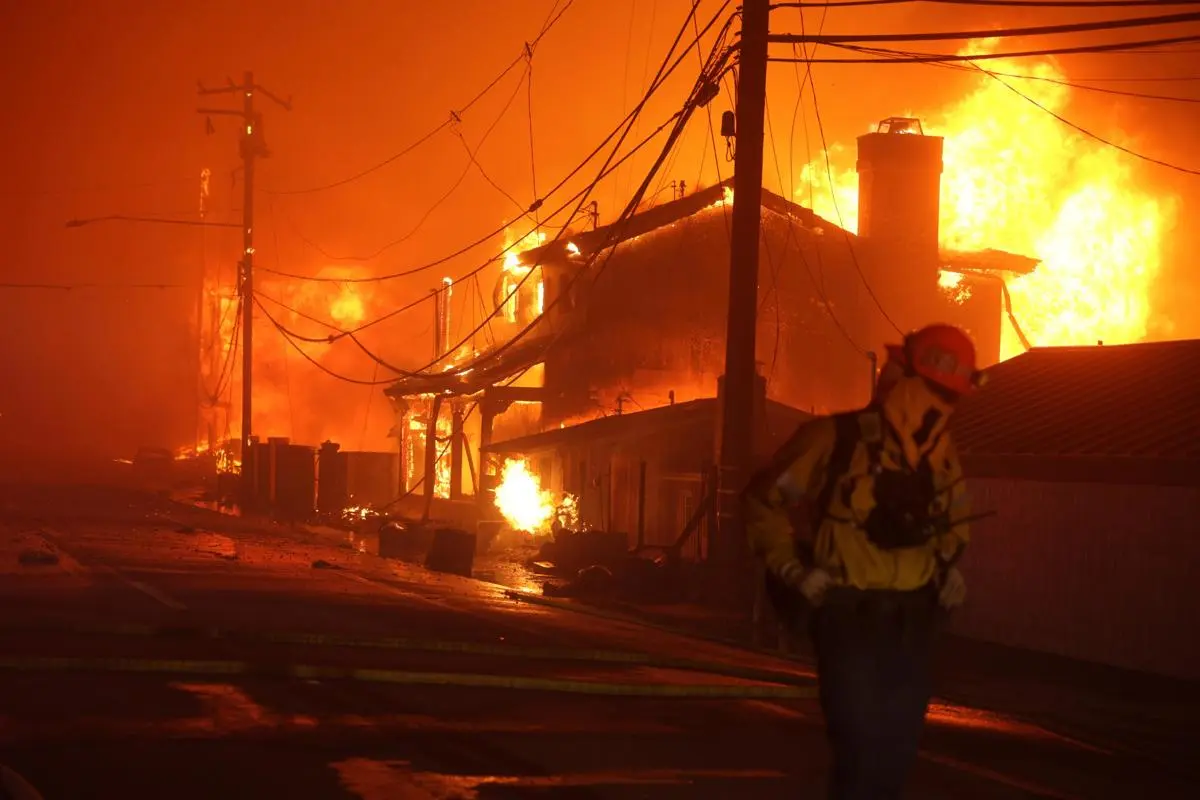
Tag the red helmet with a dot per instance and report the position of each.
(941, 354)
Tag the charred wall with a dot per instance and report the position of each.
(654, 321)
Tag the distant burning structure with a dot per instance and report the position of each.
(1015, 178)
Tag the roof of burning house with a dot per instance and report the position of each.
(664, 214)
(1055, 410)
(530, 352)
(781, 422)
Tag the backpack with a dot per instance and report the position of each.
(900, 517)
(903, 497)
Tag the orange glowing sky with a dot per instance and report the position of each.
(102, 121)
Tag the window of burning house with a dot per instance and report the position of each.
(521, 297)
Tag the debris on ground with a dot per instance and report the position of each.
(321, 563)
(37, 558)
(570, 551)
(594, 581)
(405, 541)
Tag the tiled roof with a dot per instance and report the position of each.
(1139, 401)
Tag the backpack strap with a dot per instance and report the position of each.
(848, 429)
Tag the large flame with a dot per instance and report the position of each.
(521, 499)
(515, 271)
(1016, 179)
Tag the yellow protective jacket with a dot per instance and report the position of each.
(900, 426)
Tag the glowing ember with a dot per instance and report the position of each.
(1016, 179)
(515, 247)
(221, 453)
(358, 513)
(521, 499)
(568, 512)
(726, 198)
(951, 284)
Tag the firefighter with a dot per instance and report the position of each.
(888, 507)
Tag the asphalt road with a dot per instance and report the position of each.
(115, 685)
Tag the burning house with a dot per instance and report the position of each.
(632, 316)
(648, 474)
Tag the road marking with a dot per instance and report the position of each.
(146, 589)
(76, 567)
(776, 710)
(396, 590)
(712, 691)
(371, 779)
(229, 710)
(996, 777)
(67, 562)
(15, 787)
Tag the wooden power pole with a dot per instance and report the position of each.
(738, 425)
(253, 147)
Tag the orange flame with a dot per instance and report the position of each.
(521, 500)
(1015, 179)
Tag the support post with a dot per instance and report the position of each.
(431, 454)
(456, 452)
(252, 148)
(737, 419)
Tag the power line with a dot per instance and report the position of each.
(818, 280)
(1002, 3)
(656, 85)
(792, 238)
(351, 334)
(25, 191)
(454, 117)
(614, 231)
(999, 33)
(1075, 126)
(680, 120)
(420, 223)
(1072, 84)
(841, 224)
(288, 338)
(66, 287)
(225, 376)
(948, 57)
(1090, 134)
(473, 273)
(424, 298)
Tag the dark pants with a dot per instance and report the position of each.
(873, 664)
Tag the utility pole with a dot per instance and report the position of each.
(738, 426)
(253, 147)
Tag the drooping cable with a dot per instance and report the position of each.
(529, 47)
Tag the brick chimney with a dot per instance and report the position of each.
(899, 193)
